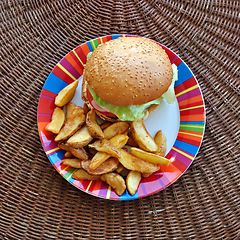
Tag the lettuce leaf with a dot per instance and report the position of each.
(169, 95)
(133, 112)
(124, 113)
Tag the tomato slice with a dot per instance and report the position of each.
(97, 107)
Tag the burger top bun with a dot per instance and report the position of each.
(129, 71)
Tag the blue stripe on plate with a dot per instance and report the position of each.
(55, 157)
(127, 196)
(89, 46)
(116, 36)
(71, 180)
(183, 74)
(186, 147)
(54, 84)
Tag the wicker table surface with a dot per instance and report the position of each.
(36, 202)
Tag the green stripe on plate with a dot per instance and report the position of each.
(94, 43)
(192, 127)
(69, 173)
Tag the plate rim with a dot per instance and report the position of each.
(171, 182)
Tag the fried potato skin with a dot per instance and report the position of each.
(80, 153)
(142, 137)
(136, 164)
(80, 139)
(69, 108)
(109, 165)
(161, 141)
(66, 94)
(150, 157)
(118, 141)
(58, 119)
(115, 129)
(106, 146)
(93, 127)
(72, 162)
(83, 175)
(72, 125)
(132, 181)
(116, 181)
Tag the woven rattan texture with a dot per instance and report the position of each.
(36, 202)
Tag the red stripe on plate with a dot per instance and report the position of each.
(73, 60)
(180, 166)
(61, 74)
(151, 184)
(171, 172)
(195, 111)
(185, 85)
(195, 101)
(46, 106)
(198, 117)
(48, 93)
(82, 52)
(189, 139)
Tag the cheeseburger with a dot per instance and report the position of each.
(127, 78)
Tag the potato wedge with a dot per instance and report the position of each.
(120, 168)
(80, 139)
(63, 145)
(131, 142)
(142, 136)
(106, 146)
(116, 181)
(69, 108)
(85, 108)
(72, 125)
(136, 164)
(66, 94)
(58, 119)
(150, 157)
(92, 151)
(118, 141)
(93, 127)
(115, 129)
(83, 175)
(161, 142)
(132, 181)
(68, 155)
(72, 162)
(105, 125)
(80, 153)
(109, 165)
(145, 175)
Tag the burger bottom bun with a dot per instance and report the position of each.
(147, 111)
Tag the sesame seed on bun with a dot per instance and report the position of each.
(128, 71)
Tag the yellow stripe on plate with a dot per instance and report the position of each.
(72, 173)
(52, 150)
(66, 71)
(191, 108)
(88, 186)
(195, 135)
(183, 153)
(64, 169)
(187, 90)
(108, 192)
(94, 46)
(79, 59)
(191, 126)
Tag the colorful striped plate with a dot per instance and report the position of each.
(183, 123)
